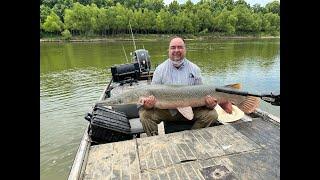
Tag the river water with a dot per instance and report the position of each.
(73, 75)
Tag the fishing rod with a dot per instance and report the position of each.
(270, 98)
(124, 51)
(134, 43)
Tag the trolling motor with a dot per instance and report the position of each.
(270, 98)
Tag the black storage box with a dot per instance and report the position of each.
(107, 125)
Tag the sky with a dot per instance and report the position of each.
(251, 2)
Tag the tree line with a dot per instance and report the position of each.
(105, 17)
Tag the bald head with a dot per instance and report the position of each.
(177, 49)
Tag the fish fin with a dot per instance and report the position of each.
(249, 104)
(186, 112)
(234, 86)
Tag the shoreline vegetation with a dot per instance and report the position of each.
(152, 37)
(101, 20)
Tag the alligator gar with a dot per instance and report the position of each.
(181, 96)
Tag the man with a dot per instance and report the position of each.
(179, 71)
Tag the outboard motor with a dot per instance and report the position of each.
(134, 71)
(142, 57)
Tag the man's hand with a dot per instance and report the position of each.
(148, 102)
(226, 106)
(211, 102)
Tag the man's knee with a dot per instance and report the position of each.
(143, 113)
(147, 115)
(209, 116)
(206, 115)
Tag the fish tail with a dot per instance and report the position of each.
(249, 104)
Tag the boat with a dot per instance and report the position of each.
(114, 145)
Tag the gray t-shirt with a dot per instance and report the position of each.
(187, 74)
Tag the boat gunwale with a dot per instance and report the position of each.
(80, 159)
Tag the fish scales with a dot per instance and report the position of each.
(173, 96)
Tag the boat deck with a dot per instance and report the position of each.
(242, 150)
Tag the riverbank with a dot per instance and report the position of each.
(151, 37)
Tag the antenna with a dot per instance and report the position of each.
(125, 53)
(134, 44)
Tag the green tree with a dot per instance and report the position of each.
(132, 4)
(84, 2)
(188, 6)
(273, 7)
(110, 18)
(225, 22)
(265, 25)
(257, 23)
(100, 3)
(175, 25)
(109, 3)
(216, 6)
(195, 22)
(257, 8)
(152, 16)
(165, 17)
(60, 6)
(242, 3)
(204, 15)
(185, 23)
(79, 18)
(148, 19)
(121, 18)
(66, 35)
(131, 19)
(160, 26)
(138, 21)
(49, 3)
(229, 4)
(44, 12)
(274, 23)
(245, 22)
(95, 15)
(52, 23)
(153, 5)
(174, 7)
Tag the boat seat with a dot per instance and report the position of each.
(130, 110)
(132, 114)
